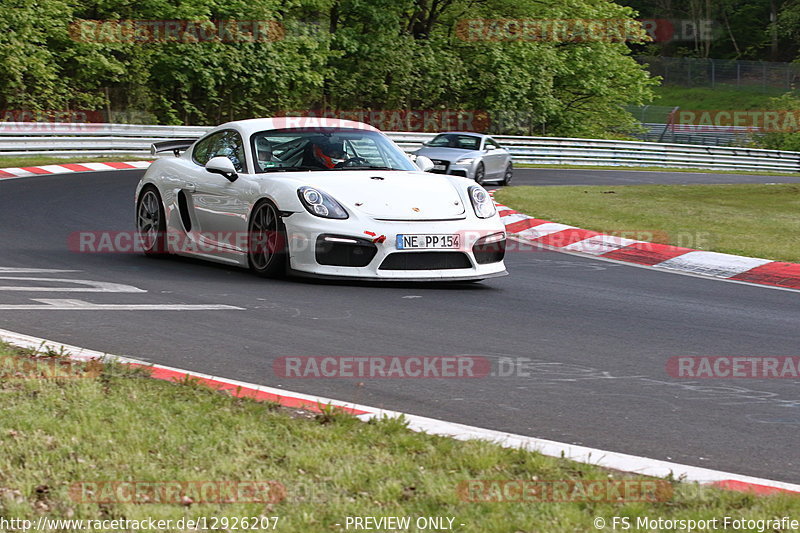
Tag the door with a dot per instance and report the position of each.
(493, 157)
(219, 206)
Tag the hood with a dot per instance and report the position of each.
(447, 154)
(392, 195)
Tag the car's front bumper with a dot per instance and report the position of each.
(457, 169)
(304, 231)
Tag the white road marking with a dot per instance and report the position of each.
(89, 286)
(713, 263)
(48, 304)
(542, 230)
(85, 285)
(600, 244)
(18, 270)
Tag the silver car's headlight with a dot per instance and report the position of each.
(482, 203)
(320, 204)
(465, 161)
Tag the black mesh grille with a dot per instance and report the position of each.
(440, 162)
(358, 254)
(426, 261)
(489, 253)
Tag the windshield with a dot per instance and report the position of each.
(306, 149)
(455, 140)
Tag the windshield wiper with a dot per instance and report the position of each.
(289, 169)
(363, 167)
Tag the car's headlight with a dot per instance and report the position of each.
(465, 161)
(481, 202)
(320, 204)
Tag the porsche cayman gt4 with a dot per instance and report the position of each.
(322, 198)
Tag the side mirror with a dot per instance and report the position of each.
(424, 163)
(223, 166)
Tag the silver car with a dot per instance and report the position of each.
(472, 155)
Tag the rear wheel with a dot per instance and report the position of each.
(151, 224)
(267, 248)
(508, 174)
(480, 174)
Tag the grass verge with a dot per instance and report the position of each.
(743, 219)
(115, 424)
(12, 162)
(660, 169)
(721, 97)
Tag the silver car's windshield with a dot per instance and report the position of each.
(455, 140)
(310, 149)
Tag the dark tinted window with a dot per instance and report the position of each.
(454, 140)
(226, 143)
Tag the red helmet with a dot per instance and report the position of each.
(328, 154)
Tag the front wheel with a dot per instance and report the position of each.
(508, 174)
(267, 247)
(480, 173)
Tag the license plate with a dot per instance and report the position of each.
(438, 167)
(407, 242)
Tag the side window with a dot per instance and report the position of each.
(491, 145)
(226, 143)
(202, 152)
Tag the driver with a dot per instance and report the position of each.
(329, 154)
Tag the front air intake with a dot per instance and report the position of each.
(425, 261)
(336, 250)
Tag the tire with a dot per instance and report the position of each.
(267, 250)
(480, 173)
(509, 174)
(151, 223)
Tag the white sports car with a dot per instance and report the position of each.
(316, 197)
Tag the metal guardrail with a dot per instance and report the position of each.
(28, 139)
(697, 134)
(600, 152)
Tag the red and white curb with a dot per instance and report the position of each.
(556, 236)
(69, 168)
(614, 460)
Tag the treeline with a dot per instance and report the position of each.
(766, 30)
(317, 54)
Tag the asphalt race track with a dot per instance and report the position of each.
(594, 336)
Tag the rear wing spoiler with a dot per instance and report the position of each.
(176, 146)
